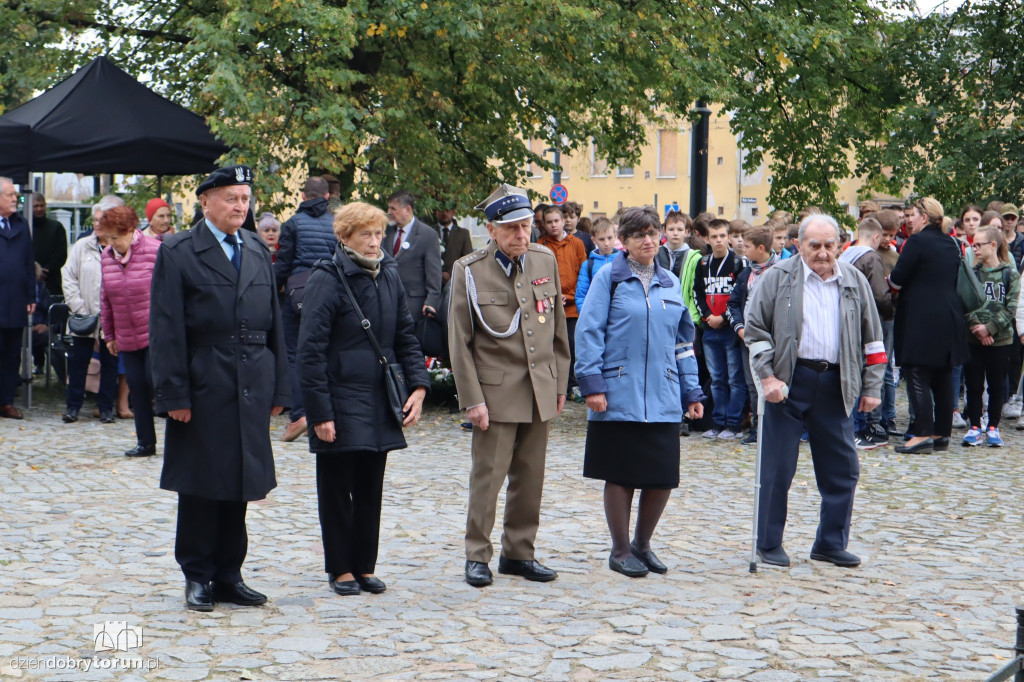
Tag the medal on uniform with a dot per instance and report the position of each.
(542, 280)
(540, 307)
(541, 319)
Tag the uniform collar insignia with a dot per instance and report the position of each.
(508, 264)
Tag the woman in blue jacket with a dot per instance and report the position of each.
(635, 365)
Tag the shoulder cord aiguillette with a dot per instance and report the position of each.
(474, 306)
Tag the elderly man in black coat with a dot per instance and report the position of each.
(17, 293)
(219, 372)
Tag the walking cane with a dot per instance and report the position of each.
(27, 362)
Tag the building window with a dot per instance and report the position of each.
(624, 171)
(721, 210)
(667, 153)
(537, 147)
(598, 167)
(754, 212)
(721, 160)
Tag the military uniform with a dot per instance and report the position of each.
(510, 352)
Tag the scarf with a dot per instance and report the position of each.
(757, 268)
(370, 265)
(122, 260)
(644, 272)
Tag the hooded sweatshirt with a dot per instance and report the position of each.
(1002, 288)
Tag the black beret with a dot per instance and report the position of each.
(226, 177)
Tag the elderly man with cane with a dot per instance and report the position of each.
(816, 347)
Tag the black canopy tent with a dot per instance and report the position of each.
(101, 120)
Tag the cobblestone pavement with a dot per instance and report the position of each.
(86, 537)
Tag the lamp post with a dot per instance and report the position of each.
(699, 160)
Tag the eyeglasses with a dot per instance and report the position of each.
(654, 235)
(977, 243)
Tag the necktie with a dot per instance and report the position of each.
(5, 225)
(236, 253)
(444, 236)
(398, 242)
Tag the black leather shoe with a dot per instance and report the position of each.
(774, 557)
(531, 570)
(107, 417)
(631, 567)
(141, 450)
(648, 559)
(924, 447)
(345, 588)
(478, 574)
(371, 584)
(197, 596)
(70, 416)
(684, 429)
(839, 557)
(237, 593)
(941, 444)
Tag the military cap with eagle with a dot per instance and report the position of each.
(227, 176)
(507, 204)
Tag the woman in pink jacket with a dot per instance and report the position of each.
(124, 309)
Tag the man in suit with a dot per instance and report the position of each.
(456, 241)
(220, 370)
(50, 244)
(816, 346)
(510, 357)
(17, 293)
(416, 249)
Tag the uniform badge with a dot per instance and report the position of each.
(542, 280)
(541, 319)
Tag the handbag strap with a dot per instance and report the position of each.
(363, 322)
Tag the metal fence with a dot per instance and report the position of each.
(1014, 669)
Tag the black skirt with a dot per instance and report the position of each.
(633, 454)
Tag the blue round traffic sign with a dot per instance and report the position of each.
(559, 194)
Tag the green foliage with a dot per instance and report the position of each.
(439, 95)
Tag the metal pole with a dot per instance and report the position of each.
(1018, 647)
(26, 349)
(699, 160)
(556, 175)
(757, 465)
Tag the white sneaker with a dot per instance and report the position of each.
(1011, 410)
(727, 435)
(958, 421)
(1020, 424)
(711, 433)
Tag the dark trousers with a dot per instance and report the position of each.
(348, 492)
(10, 361)
(570, 330)
(79, 355)
(140, 383)
(930, 392)
(992, 363)
(211, 542)
(290, 320)
(815, 402)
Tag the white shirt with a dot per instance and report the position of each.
(820, 330)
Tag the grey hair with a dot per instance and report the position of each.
(269, 220)
(819, 218)
(6, 180)
(106, 203)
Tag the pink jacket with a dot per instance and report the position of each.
(124, 298)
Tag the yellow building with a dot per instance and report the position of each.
(662, 177)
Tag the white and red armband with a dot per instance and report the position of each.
(874, 353)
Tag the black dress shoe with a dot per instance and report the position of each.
(531, 570)
(70, 416)
(648, 559)
(839, 557)
(345, 588)
(371, 584)
(107, 417)
(774, 557)
(237, 593)
(941, 444)
(478, 574)
(631, 567)
(141, 450)
(684, 429)
(197, 596)
(924, 447)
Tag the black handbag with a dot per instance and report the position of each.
(432, 337)
(296, 288)
(394, 375)
(83, 325)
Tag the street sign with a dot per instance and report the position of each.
(671, 207)
(559, 194)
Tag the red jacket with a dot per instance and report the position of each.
(124, 297)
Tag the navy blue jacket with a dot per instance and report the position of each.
(306, 237)
(18, 281)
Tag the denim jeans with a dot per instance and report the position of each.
(79, 356)
(886, 412)
(140, 382)
(728, 387)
